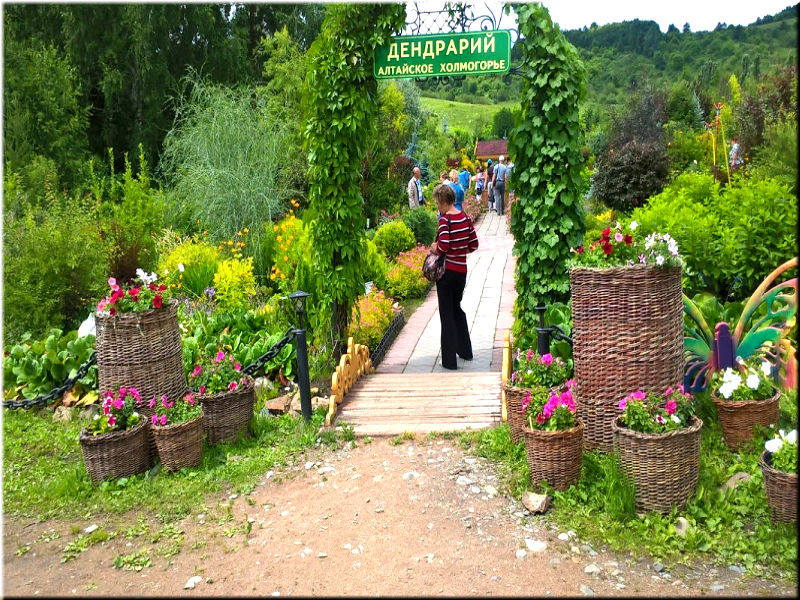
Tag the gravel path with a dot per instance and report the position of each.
(418, 518)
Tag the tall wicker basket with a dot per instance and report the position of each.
(228, 414)
(554, 456)
(628, 335)
(781, 490)
(738, 418)
(663, 466)
(516, 420)
(117, 453)
(180, 445)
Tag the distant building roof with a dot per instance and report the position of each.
(490, 148)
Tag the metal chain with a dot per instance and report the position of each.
(57, 392)
(259, 363)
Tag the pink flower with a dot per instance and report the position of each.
(152, 403)
(197, 370)
(113, 283)
(111, 421)
(660, 420)
(202, 390)
(669, 391)
(547, 359)
(540, 419)
(135, 393)
(525, 402)
(681, 389)
(123, 392)
(119, 403)
(671, 407)
(164, 402)
(189, 398)
(566, 396)
(154, 418)
(237, 367)
(232, 385)
(163, 419)
(618, 237)
(623, 404)
(529, 355)
(638, 395)
(220, 356)
(570, 384)
(102, 304)
(513, 376)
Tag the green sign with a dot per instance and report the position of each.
(471, 53)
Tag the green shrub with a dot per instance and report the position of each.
(393, 238)
(686, 150)
(234, 283)
(199, 263)
(777, 157)
(54, 267)
(625, 177)
(371, 316)
(405, 279)
(423, 223)
(376, 267)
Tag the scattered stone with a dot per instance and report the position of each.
(474, 489)
(233, 496)
(592, 569)
(322, 555)
(470, 460)
(563, 537)
(326, 469)
(309, 464)
(588, 549)
(681, 526)
(429, 557)
(379, 509)
(410, 475)
(193, 581)
(279, 405)
(620, 586)
(62, 414)
(537, 503)
(736, 569)
(88, 413)
(574, 549)
(284, 513)
(90, 529)
(490, 490)
(535, 545)
(521, 553)
(555, 561)
(717, 588)
(734, 481)
(586, 590)
(571, 534)
(658, 567)
(463, 480)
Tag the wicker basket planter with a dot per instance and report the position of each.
(116, 454)
(781, 490)
(516, 420)
(663, 466)
(141, 350)
(628, 334)
(554, 456)
(228, 414)
(738, 419)
(180, 445)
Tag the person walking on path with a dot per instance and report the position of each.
(735, 155)
(456, 239)
(415, 197)
(489, 189)
(480, 182)
(463, 178)
(499, 180)
(459, 191)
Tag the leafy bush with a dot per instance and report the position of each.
(32, 368)
(687, 149)
(199, 263)
(393, 238)
(234, 283)
(423, 223)
(376, 267)
(372, 314)
(405, 279)
(626, 176)
(54, 266)
(777, 157)
(502, 123)
(291, 251)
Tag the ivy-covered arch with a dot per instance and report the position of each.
(547, 216)
(342, 102)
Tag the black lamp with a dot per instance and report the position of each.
(299, 300)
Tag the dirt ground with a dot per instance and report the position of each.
(419, 518)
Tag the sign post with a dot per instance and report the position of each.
(469, 53)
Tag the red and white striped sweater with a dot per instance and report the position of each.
(456, 241)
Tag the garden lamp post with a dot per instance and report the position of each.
(299, 300)
(542, 332)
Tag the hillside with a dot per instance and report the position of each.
(467, 116)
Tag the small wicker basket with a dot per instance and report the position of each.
(554, 456)
(738, 418)
(781, 490)
(227, 415)
(663, 466)
(117, 453)
(180, 445)
(516, 419)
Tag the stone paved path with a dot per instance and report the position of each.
(488, 300)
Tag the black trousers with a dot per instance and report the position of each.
(455, 329)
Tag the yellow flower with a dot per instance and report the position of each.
(239, 233)
(286, 258)
(246, 230)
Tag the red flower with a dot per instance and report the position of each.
(606, 233)
(112, 311)
(628, 239)
(134, 294)
(162, 287)
(540, 419)
(157, 301)
(153, 287)
(607, 249)
(580, 249)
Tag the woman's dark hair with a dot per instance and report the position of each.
(444, 194)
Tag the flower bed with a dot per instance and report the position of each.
(778, 463)
(405, 279)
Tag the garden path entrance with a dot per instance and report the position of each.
(411, 391)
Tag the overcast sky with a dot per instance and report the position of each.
(700, 14)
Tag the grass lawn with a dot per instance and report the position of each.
(44, 475)
(732, 528)
(464, 115)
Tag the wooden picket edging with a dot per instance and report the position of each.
(505, 374)
(353, 364)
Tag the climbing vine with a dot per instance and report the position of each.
(547, 217)
(342, 101)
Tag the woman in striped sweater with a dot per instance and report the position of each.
(455, 240)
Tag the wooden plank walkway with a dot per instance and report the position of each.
(392, 404)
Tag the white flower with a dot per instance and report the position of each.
(634, 225)
(695, 161)
(740, 360)
(773, 445)
(726, 390)
(766, 368)
(135, 414)
(166, 271)
(676, 419)
(96, 417)
(180, 267)
(672, 245)
(141, 274)
(659, 260)
(792, 437)
(618, 225)
(753, 381)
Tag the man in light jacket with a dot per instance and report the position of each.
(415, 197)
